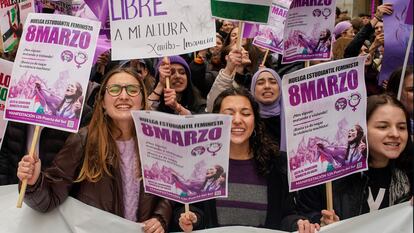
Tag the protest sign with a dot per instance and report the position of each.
(271, 36)
(396, 37)
(325, 111)
(242, 10)
(12, 16)
(308, 31)
(160, 28)
(184, 159)
(5, 75)
(51, 71)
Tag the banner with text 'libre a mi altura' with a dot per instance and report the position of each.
(160, 28)
(184, 159)
(325, 109)
(51, 71)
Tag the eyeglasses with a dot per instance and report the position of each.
(116, 89)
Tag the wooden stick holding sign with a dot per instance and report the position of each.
(31, 153)
(165, 60)
(265, 57)
(187, 208)
(329, 199)
(238, 43)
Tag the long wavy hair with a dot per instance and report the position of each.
(355, 143)
(101, 150)
(262, 146)
(405, 160)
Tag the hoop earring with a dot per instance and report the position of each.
(254, 134)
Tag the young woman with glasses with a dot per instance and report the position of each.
(100, 164)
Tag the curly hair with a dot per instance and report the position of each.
(262, 155)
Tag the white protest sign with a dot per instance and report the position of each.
(270, 36)
(184, 159)
(308, 31)
(160, 28)
(51, 71)
(325, 118)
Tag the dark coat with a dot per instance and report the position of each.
(57, 182)
(349, 195)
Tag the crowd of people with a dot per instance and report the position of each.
(100, 165)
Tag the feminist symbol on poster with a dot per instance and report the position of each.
(51, 71)
(327, 142)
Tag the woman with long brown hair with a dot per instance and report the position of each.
(100, 164)
(258, 192)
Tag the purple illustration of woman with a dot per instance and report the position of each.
(339, 156)
(192, 187)
(324, 43)
(48, 100)
(212, 175)
(307, 45)
(71, 104)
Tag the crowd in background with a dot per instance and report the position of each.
(94, 164)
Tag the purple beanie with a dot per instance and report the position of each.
(341, 27)
(177, 60)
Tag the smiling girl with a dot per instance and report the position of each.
(181, 98)
(100, 165)
(386, 183)
(258, 192)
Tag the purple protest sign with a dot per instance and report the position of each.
(184, 159)
(396, 36)
(51, 71)
(325, 110)
(250, 30)
(308, 31)
(270, 36)
(160, 28)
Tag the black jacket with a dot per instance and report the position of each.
(349, 195)
(353, 49)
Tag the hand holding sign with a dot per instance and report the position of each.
(29, 168)
(328, 217)
(187, 220)
(153, 225)
(170, 99)
(164, 71)
(233, 60)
